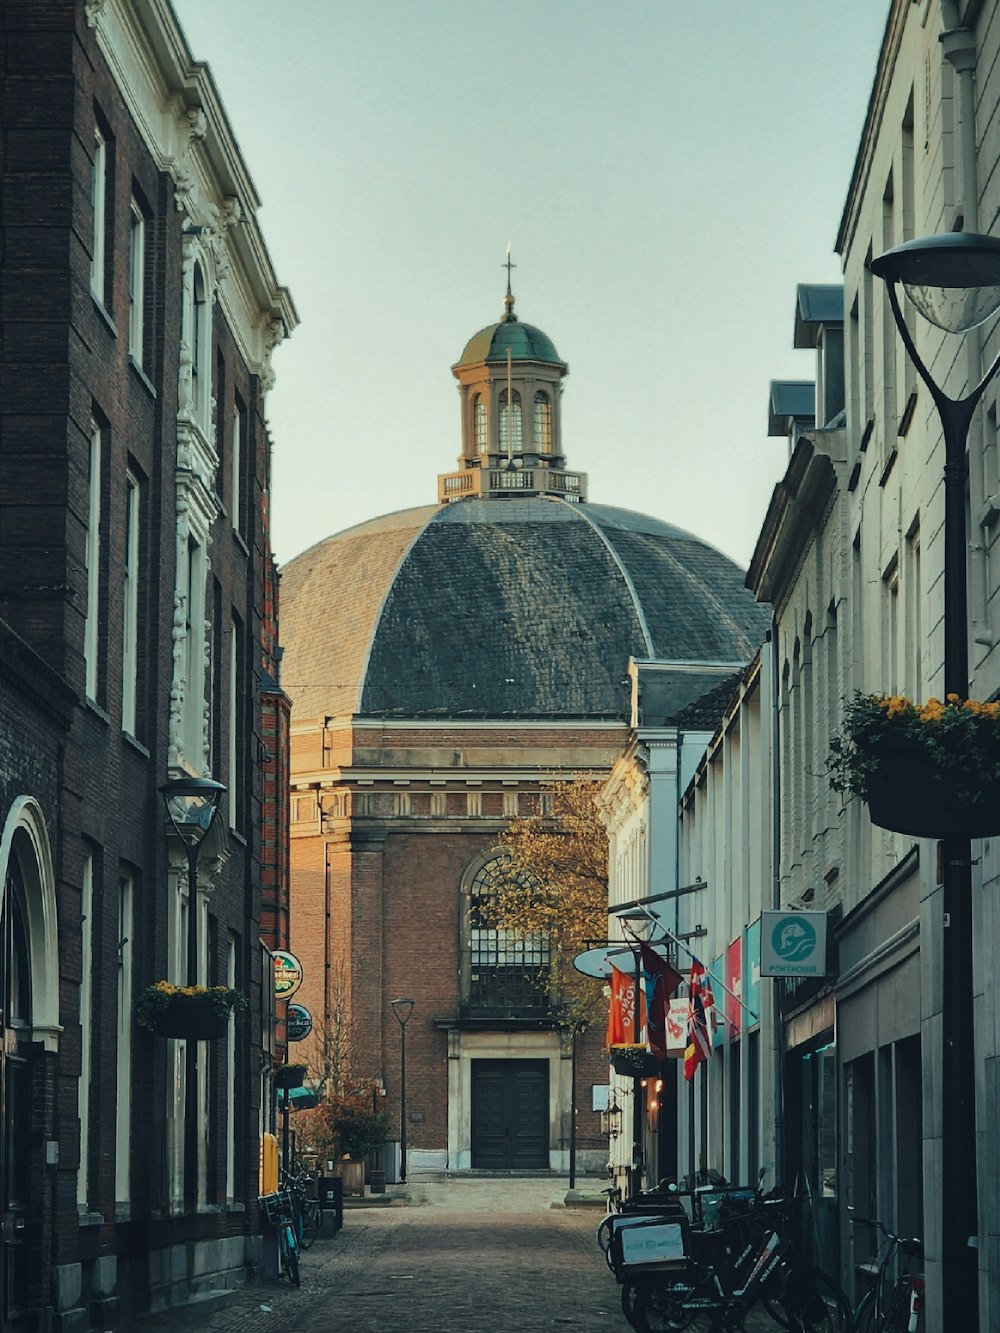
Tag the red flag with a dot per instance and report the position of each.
(621, 1014)
(660, 981)
(699, 1045)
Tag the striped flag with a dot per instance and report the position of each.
(699, 1045)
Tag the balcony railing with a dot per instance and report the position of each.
(496, 483)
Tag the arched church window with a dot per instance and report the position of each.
(510, 423)
(505, 969)
(480, 421)
(543, 423)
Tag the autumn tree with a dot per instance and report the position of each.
(557, 886)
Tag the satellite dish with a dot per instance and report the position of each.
(599, 962)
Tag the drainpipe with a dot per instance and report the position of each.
(959, 48)
(777, 1029)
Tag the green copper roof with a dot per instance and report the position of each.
(526, 343)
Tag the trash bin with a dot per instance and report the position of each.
(331, 1204)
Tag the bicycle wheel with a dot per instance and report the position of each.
(864, 1320)
(604, 1233)
(814, 1302)
(290, 1254)
(630, 1291)
(310, 1223)
(663, 1308)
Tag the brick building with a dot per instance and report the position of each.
(137, 644)
(444, 663)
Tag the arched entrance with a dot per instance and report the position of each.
(15, 1095)
(29, 1014)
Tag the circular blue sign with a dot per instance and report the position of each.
(299, 1022)
(793, 939)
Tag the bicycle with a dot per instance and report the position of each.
(306, 1209)
(894, 1305)
(279, 1212)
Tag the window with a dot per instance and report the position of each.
(481, 425)
(543, 423)
(201, 388)
(890, 626)
(123, 1128)
(239, 434)
(98, 198)
(194, 632)
(506, 969)
(232, 714)
(130, 604)
(86, 1028)
(510, 423)
(231, 1076)
(914, 634)
(91, 629)
(136, 281)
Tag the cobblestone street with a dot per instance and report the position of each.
(464, 1256)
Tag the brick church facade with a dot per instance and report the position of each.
(444, 664)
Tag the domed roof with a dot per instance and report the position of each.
(490, 609)
(526, 343)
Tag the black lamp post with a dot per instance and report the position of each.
(191, 805)
(402, 1009)
(953, 279)
(639, 925)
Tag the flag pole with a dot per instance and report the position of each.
(711, 975)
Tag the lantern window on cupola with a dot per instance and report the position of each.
(543, 423)
(481, 423)
(511, 437)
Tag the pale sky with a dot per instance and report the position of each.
(666, 172)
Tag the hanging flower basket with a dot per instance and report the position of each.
(191, 1013)
(931, 771)
(289, 1076)
(634, 1061)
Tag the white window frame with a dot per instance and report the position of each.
(233, 797)
(136, 282)
(91, 630)
(98, 197)
(236, 464)
(201, 338)
(123, 1121)
(194, 694)
(130, 599)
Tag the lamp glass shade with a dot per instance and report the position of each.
(402, 1009)
(639, 924)
(953, 279)
(191, 804)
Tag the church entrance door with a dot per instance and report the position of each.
(510, 1115)
(15, 1106)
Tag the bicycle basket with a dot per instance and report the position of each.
(277, 1208)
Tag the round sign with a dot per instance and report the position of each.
(298, 1022)
(287, 974)
(793, 938)
(599, 962)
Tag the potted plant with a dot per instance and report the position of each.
(357, 1129)
(290, 1076)
(194, 1013)
(930, 770)
(633, 1059)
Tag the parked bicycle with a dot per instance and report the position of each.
(893, 1304)
(305, 1208)
(678, 1276)
(279, 1212)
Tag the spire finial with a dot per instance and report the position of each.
(508, 300)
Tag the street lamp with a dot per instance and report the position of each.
(191, 804)
(639, 927)
(953, 279)
(402, 1009)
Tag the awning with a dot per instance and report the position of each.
(298, 1099)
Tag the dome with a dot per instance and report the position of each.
(481, 608)
(526, 343)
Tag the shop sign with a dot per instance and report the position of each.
(678, 1012)
(716, 1022)
(298, 1023)
(287, 974)
(793, 944)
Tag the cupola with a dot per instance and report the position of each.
(510, 379)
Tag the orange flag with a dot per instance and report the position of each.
(621, 1012)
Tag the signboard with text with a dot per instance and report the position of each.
(793, 944)
(298, 1023)
(287, 974)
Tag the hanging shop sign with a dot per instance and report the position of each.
(678, 1012)
(793, 944)
(734, 983)
(751, 978)
(287, 974)
(298, 1022)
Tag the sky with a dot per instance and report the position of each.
(666, 174)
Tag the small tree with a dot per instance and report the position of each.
(345, 1124)
(558, 886)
